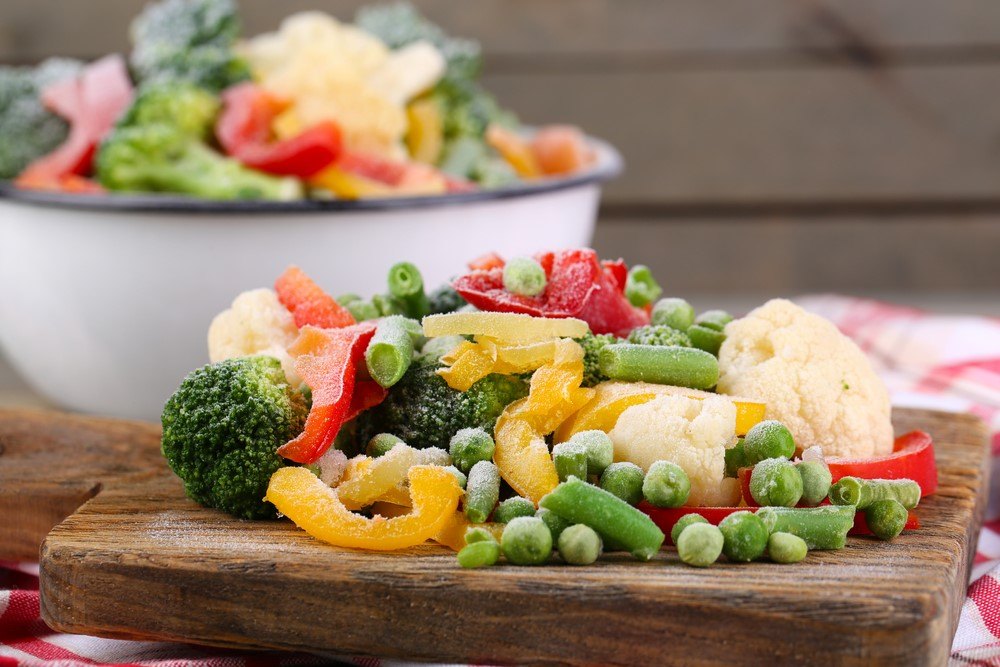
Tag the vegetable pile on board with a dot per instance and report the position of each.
(387, 106)
(553, 403)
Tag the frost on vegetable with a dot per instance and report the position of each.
(256, 323)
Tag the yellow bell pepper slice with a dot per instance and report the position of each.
(368, 482)
(351, 186)
(453, 534)
(515, 150)
(470, 363)
(504, 328)
(425, 136)
(317, 509)
(611, 399)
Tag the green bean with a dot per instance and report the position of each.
(475, 534)
(389, 353)
(570, 458)
(786, 548)
(714, 319)
(823, 527)
(606, 513)
(387, 305)
(362, 310)
(705, 338)
(481, 491)
(673, 312)
(411, 326)
(526, 540)
(580, 545)
(769, 439)
(666, 485)
(600, 450)
(673, 365)
(555, 523)
(683, 523)
(886, 518)
(381, 443)
(513, 508)
(524, 276)
(479, 554)
(460, 476)
(863, 492)
(816, 480)
(745, 536)
(641, 288)
(345, 299)
(624, 480)
(469, 446)
(407, 286)
(736, 458)
(776, 482)
(700, 544)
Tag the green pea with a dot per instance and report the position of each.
(786, 548)
(776, 482)
(700, 544)
(386, 304)
(736, 458)
(555, 523)
(570, 459)
(381, 443)
(481, 491)
(526, 540)
(641, 288)
(470, 446)
(580, 545)
(479, 554)
(886, 518)
(673, 312)
(745, 537)
(816, 480)
(714, 319)
(683, 523)
(769, 439)
(666, 485)
(705, 338)
(624, 480)
(478, 534)
(513, 508)
(600, 450)
(524, 276)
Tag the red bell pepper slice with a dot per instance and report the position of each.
(579, 286)
(244, 132)
(327, 360)
(618, 271)
(912, 458)
(91, 103)
(490, 260)
(308, 303)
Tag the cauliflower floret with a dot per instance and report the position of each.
(814, 379)
(690, 432)
(256, 323)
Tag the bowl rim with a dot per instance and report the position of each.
(609, 165)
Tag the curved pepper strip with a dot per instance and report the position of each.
(317, 509)
(327, 360)
(377, 477)
(244, 131)
(521, 454)
(452, 535)
(666, 517)
(578, 286)
(308, 303)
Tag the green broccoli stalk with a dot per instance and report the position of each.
(184, 105)
(424, 411)
(658, 334)
(221, 429)
(27, 129)
(162, 158)
(190, 40)
(592, 345)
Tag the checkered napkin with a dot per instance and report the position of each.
(928, 361)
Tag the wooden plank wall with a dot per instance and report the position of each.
(771, 145)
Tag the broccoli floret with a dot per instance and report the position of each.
(658, 334)
(162, 158)
(592, 345)
(27, 129)
(184, 105)
(221, 429)
(191, 40)
(445, 300)
(425, 412)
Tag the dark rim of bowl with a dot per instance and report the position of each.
(609, 165)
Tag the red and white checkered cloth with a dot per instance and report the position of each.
(947, 363)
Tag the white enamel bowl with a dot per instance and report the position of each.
(105, 301)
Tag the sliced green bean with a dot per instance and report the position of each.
(823, 527)
(641, 288)
(387, 305)
(481, 491)
(659, 364)
(389, 353)
(407, 286)
(570, 459)
(706, 339)
(863, 492)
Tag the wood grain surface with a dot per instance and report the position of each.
(140, 560)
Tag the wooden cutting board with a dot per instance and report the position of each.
(138, 560)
